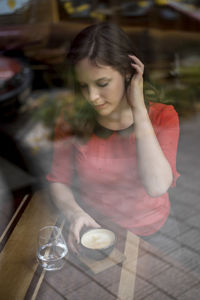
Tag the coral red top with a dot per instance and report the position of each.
(106, 167)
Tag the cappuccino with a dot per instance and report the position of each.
(98, 239)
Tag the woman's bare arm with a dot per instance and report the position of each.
(154, 169)
(64, 199)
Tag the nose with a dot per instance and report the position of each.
(93, 94)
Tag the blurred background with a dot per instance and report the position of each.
(34, 39)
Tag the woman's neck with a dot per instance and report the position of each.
(118, 120)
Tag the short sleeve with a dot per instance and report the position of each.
(166, 122)
(62, 168)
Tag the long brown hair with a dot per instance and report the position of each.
(104, 43)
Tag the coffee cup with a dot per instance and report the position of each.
(97, 243)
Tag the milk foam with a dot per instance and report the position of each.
(98, 238)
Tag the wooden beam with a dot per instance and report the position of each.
(18, 258)
(129, 266)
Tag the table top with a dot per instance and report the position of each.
(125, 274)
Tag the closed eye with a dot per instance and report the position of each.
(102, 84)
(82, 86)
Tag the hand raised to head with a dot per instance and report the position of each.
(135, 96)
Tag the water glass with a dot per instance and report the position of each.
(51, 248)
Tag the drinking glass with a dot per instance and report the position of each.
(51, 248)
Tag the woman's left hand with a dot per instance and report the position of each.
(135, 95)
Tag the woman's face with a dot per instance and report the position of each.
(102, 86)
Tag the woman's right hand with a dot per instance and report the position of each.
(78, 220)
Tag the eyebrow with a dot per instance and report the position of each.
(99, 79)
(103, 78)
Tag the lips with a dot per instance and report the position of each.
(100, 106)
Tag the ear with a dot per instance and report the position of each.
(128, 76)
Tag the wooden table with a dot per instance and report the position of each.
(21, 277)
(125, 275)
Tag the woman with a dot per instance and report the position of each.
(127, 162)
